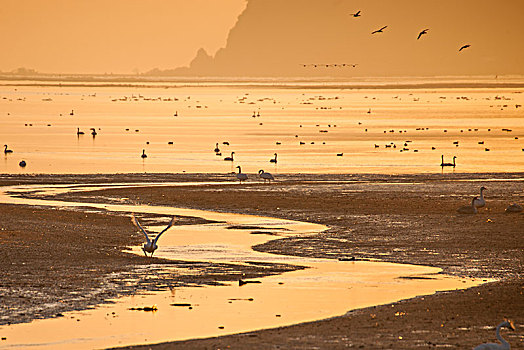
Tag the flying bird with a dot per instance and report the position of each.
(381, 30)
(493, 346)
(150, 246)
(356, 14)
(425, 31)
(464, 47)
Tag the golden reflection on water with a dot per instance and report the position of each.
(327, 121)
(327, 288)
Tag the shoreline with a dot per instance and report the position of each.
(364, 216)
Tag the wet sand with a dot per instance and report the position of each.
(406, 219)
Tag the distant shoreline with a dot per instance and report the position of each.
(402, 83)
(281, 86)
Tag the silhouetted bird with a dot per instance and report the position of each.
(425, 31)
(230, 158)
(381, 30)
(464, 47)
(356, 14)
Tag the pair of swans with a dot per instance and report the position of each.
(242, 176)
(442, 164)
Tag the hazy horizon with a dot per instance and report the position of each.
(264, 38)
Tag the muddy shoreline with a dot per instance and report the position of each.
(404, 218)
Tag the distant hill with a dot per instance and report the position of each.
(279, 37)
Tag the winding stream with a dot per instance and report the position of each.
(327, 288)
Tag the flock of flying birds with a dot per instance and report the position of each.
(381, 30)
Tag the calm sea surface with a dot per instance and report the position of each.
(312, 129)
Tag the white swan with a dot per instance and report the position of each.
(241, 176)
(265, 176)
(479, 201)
(493, 346)
(468, 209)
(514, 208)
(230, 158)
(150, 246)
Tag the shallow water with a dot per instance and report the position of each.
(327, 288)
(327, 121)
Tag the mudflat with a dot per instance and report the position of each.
(55, 260)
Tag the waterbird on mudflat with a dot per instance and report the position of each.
(6, 150)
(22, 164)
(217, 150)
(479, 201)
(381, 30)
(464, 47)
(93, 131)
(150, 246)
(273, 160)
(230, 158)
(468, 209)
(265, 176)
(241, 176)
(357, 14)
(425, 31)
(504, 344)
(72, 112)
(144, 155)
(514, 208)
(442, 164)
(78, 132)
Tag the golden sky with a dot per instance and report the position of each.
(263, 37)
(119, 36)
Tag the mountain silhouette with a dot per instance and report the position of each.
(279, 37)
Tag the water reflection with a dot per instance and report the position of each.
(327, 288)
